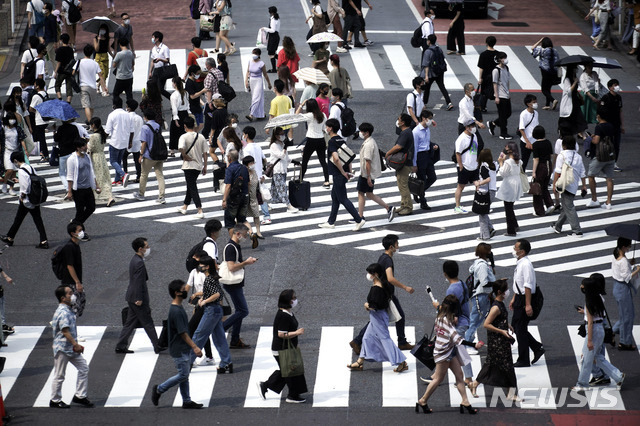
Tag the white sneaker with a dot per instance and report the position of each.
(591, 204)
(161, 200)
(200, 216)
(359, 225)
(265, 222)
(180, 210)
(606, 206)
(209, 361)
(341, 50)
(12, 192)
(326, 225)
(292, 209)
(125, 180)
(460, 210)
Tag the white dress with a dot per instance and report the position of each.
(511, 189)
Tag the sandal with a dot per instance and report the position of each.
(472, 387)
(402, 367)
(254, 241)
(356, 366)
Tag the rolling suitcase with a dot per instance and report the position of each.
(299, 192)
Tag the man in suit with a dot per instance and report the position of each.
(137, 298)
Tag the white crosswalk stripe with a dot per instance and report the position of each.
(333, 381)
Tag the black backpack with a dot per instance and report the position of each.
(38, 191)
(416, 39)
(191, 263)
(348, 121)
(29, 72)
(158, 151)
(73, 13)
(605, 150)
(235, 193)
(57, 262)
(226, 91)
(438, 65)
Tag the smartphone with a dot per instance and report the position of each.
(578, 307)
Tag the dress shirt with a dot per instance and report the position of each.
(524, 276)
(421, 141)
(161, 52)
(466, 110)
(119, 127)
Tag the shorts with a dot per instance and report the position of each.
(362, 25)
(598, 167)
(86, 96)
(225, 23)
(453, 354)
(235, 214)
(467, 176)
(199, 116)
(363, 185)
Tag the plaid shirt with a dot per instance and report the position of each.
(211, 80)
(63, 318)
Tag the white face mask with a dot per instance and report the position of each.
(472, 93)
(147, 252)
(74, 299)
(428, 122)
(397, 249)
(102, 32)
(234, 125)
(473, 130)
(507, 294)
(12, 122)
(514, 254)
(255, 57)
(153, 40)
(369, 277)
(252, 167)
(398, 124)
(535, 105)
(127, 21)
(80, 235)
(617, 89)
(505, 61)
(294, 303)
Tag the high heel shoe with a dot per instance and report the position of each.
(469, 408)
(472, 387)
(425, 408)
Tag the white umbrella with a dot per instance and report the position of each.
(324, 38)
(93, 25)
(312, 75)
(285, 120)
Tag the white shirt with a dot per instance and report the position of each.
(161, 52)
(415, 102)
(557, 149)
(35, 101)
(511, 187)
(274, 25)
(427, 28)
(88, 70)
(575, 160)
(336, 112)
(524, 276)
(178, 103)
(25, 183)
(620, 269)
(196, 280)
(566, 105)
(40, 68)
(254, 150)
(137, 123)
(200, 146)
(29, 55)
(525, 118)
(119, 127)
(82, 132)
(211, 247)
(315, 130)
(469, 158)
(39, 6)
(465, 106)
(588, 82)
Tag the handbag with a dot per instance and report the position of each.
(54, 157)
(481, 202)
(383, 165)
(166, 72)
(416, 185)
(394, 314)
(535, 188)
(226, 309)
(524, 182)
(266, 193)
(268, 172)
(423, 350)
(228, 277)
(206, 23)
(396, 161)
(291, 364)
(435, 153)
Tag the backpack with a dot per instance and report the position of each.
(57, 262)
(604, 150)
(438, 65)
(30, 92)
(566, 176)
(194, 8)
(235, 193)
(73, 14)
(416, 39)
(348, 121)
(38, 191)
(29, 72)
(191, 263)
(158, 151)
(226, 91)
(38, 14)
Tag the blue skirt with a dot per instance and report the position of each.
(377, 344)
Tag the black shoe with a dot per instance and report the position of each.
(262, 386)
(6, 240)
(82, 401)
(425, 206)
(359, 45)
(191, 405)
(469, 409)
(537, 355)
(346, 46)
(416, 199)
(226, 369)
(272, 71)
(123, 351)
(159, 349)
(43, 245)
(155, 395)
(492, 127)
(520, 364)
(600, 381)
(58, 404)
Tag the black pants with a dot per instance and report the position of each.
(319, 146)
(136, 162)
(486, 88)
(85, 203)
(297, 385)
(175, 131)
(542, 177)
(456, 32)
(352, 23)
(142, 314)
(525, 154)
(161, 83)
(426, 171)
(519, 322)
(512, 222)
(504, 112)
(402, 339)
(440, 82)
(191, 176)
(38, 136)
(545, 85)
(21, 214)
(193, 326)
(125, 86)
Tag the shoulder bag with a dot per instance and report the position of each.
(524, 182)
(537, 300)
(291, 364)
(423, 350)
(192, 144)
(226, 276)
(268, 172)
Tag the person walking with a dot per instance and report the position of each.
(134, 147)
(223, 9)
(510, 189)
(96, 144)
(180, 348)
(433, 68)
(335, 12)
(87, 70)
(14, 140)
(568, 193)
(123, 65)
(254, 150)
(150, 128)
(547, 57)
(404, 144)
(612, 103)
(66, 349)
(120, 130)
(623, 291)
(289, 56)
(138, 303)
(486, 184)
(159, 57)
(316, 122)
(341, 174)
(285, 329)
(353, 12)
(501, 78)
(273, 37)
(124, 32)
(571, 116)
(39, 125)
(194, 149)
(589, 87)
(541, 174)
(466, 152)
(152, 101)
(179, 111)
(70, 27)
(255, 197)
(423, 155)
(486, 64)
(601, 11)
(65, 138)
(194, 88)
(279, 157)
(524, 286)
(81, 183)
(195, 282)
(339, 78)
(254, 83)
(456, 29)
(64, 59)
(414, 101)
(103, 49)
(604, 133)
(528, 121)
(377, 344)
(370, 171)
(482, 270)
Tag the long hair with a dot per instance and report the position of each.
(592, 298)
(376, 268)
(313, 107)
(274, 135)
(14, 92)
(179, 87)
(153, 93)
(97, 123)
(622, 242)
(515, 151)
(230, 135)
(289, 48)
(485, 156)
(448, 310)
(284, 74)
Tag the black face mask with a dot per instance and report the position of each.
(506, 151)
(184, 294)
(423, 86)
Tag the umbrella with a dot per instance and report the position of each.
(285, 120)
(626, 230)
(312, 75)
(324, 38)
(574, 60)
(56, 108)
(601, 62)
(93, 25)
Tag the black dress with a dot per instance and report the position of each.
(498, 368)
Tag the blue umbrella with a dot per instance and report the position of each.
(56, 108)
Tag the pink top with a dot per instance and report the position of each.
(324, 105)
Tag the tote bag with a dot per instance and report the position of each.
(228, 277)
(394, 314)
(290, 361)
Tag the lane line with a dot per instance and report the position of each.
(19, 347)
(263, 365)
(333, 379)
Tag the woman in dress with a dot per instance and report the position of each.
(285, 331)
(511, 188)
(548, 56)
(592, 352)
(256, 71)
(542, 151)
(315, 138)
(497, 369)
(445, 354)
(319, 25)
(623, 291)
(179, 111)
(588, 85)
(284, 74)
(152, 99)
(273, 35)
(14, 141)
(223, 7)
(280, 159)
(255, 199)
(103, 50)
(339, 78)
(96, 146)
(377, 344)
(571, 116)
(288, 56)
(483, 277)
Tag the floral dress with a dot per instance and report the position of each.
(498, 368)
(100, 167)
(254, 206)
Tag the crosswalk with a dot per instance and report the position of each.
(385, 67)
(330, 383)
(437, 232)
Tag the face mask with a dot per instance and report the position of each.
(514, 254)
(617, 89)
(505, 62)
(183, 294)
(294, 303)
(80, 235)
(234, 125)
(153, 40)
(505, 151)
(507, 294)
(428, 122)
(255, 57)
(202, 268)
(473, 130)
(423, 87)
(102, 32)
(472, 93)
(534, 106)
(127, 21)
(398, 250)
(12, 122)
(398, 123)
(147, 252)
(74, 299)
(252, 167)
(326, 93)
(369, 277)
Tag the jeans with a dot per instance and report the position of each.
(339, 196)
(211, 325)
(402, 339)
(440, 82)
(85, 203)
(484, 221)
(568, 212)
(466, 369)
(60, 361)
(319, 146)
(264, 208)
(504, 112)
(191, 176)
(62, 170)
(182, 378)
(426, 171)
(624, 297)
(402, 178)
(194, 322)
(236, 293)
(595, 28)
(351, 23)
(123, 86)
(115, 159)
(37, 219)
(480, 306)
(589, 356)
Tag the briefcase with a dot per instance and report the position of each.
(416, 185)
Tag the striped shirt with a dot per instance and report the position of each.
(447, 339)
